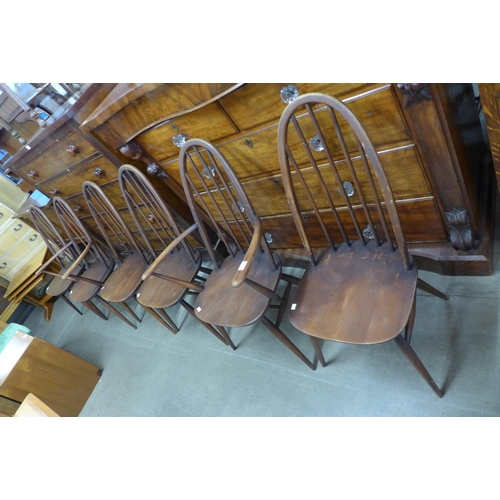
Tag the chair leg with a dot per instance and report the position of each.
(109, 307)
(159, 318)
(285, 340)
(71, 304)
(430, 289)
(411, 319)
(167, 318)
(415, 361)
(226, 336)
(208, 326)
(317, 349)
(283, 305)
(129, 309)
(90, 305)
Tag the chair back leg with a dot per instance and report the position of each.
(109, 307)
(285, 340)
(415, 361)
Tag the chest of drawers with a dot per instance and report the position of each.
(428, 136)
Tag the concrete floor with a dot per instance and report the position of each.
(151, 372)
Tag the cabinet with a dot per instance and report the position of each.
(428, 135)
(18, 243)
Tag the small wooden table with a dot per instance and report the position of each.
(59, 379)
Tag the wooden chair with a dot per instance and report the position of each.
(96, 262)
(54, 241)
(131, 260)
(240, 289)
(170, 277)
(361, 288)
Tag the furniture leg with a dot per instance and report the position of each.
(129, 309)
(159, 318)
(411, 319)
(415, 361)
(71, 304)
(208, 326)
(317, 349)
(109, 307)
(430, 289)
(226, 336)
(285, 340)
(90, 305)
(282, 309)
(167, 318)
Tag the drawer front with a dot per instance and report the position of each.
(11, 233)
(402, 167)
(427, 227)
(207, 123)
(5, 216)
(100, 171)
(255, 155)
(20, 251)
(257, 104)
(61, 156)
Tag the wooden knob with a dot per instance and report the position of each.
(72, 150)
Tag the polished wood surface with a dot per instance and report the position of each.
(33, 407)
(222, 304)
(361, 290)
(239, 288)
(61, 380)
(357, 306)
(428, 137)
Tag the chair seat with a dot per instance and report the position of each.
(125, 279)
(82, 291)
(359, 294)
(158, 292)
(221, 304)
(59, 286)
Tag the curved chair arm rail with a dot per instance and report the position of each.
(247, 261)
(54, 257)
(150, 270)
(77, 262)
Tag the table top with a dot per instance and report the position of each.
(12, 353)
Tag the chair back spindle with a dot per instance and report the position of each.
(150, 213)
(211, 185)
(331, 169)
(111, 225)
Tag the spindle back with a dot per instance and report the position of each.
(211, 185)
(331, 171)
(150, 213)
(111, 225)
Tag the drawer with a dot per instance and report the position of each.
(256, 104)
(19, 252)
(11, 233)
(208, 123)
(427, 227)
(65, 153)
(378, 114)
(5, 216)
(100, 171)
(402, 167)
(255, 155)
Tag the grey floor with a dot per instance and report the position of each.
(151, 372)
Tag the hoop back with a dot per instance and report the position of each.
(332, 174)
